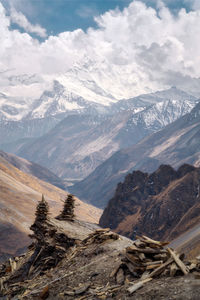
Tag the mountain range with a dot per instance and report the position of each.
(175, 144)
(99, 143)
(97, 140)
(34, 117)
(79, 140)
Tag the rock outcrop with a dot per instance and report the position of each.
(161, 205)
(78, 260)
(68, 210)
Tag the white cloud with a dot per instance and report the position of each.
(195, 4)
(133, 51)
(21, 20)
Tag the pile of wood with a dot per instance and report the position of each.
(150, 258)
(147, 259)
(7, 269)
(100, 236)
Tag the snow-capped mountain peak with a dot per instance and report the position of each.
(78, 90)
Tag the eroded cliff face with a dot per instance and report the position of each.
(162, 204)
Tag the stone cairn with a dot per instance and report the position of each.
(41, 216)
(42, 210)
(68, 209)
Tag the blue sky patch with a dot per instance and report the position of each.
(67, 15)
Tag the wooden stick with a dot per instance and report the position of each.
(158, 262)
(149, 240)
(138, 285)
(152, 267)
(161, 268)
(179, 263)
(145, 250)
(145, 275)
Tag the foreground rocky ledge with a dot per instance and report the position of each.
(78, 260)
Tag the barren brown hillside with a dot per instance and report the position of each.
(19, 195)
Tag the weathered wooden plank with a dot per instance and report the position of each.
(149, 240)
(138, 285)
(150, 267)
(161, 268)
(158, 262)
(146, 250)
(179, 263)
(102, 230)
(145, 275)
(163, 256)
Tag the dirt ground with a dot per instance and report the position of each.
(86, 273)
(180, 288)
(93, 266)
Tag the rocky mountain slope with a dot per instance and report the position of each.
(19, 195)
(163, 204)
(176, 144)
(60, 147)
(78, 144)
(12, 132)
(77, 260)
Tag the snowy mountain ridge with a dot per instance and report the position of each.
(65, 95)
(163, 113)
(78, 144)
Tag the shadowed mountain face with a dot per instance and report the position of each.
(19, 195)
(176, 144)
(162, 205)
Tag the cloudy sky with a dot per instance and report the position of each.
(143, 45)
